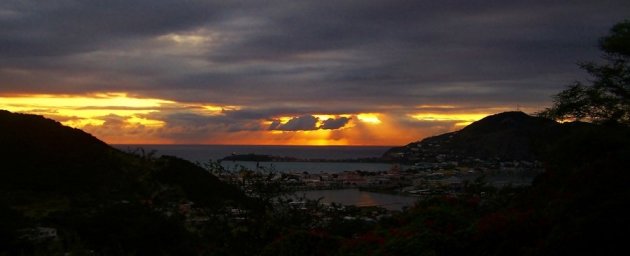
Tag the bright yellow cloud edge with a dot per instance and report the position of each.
(92, 110)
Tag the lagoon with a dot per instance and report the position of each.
(310, 167)
(203, 153)
(359, 198)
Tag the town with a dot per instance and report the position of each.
(445, 176)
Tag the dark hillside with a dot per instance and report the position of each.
(578, 206)
(41, 155)
(95, 196)
(195, 182)
(106, 202)
(508, 135)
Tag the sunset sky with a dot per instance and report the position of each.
(290, 72)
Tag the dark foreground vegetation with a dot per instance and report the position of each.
(64, 192)
(105, 202)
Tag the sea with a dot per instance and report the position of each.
(205, 153)
(360, 198)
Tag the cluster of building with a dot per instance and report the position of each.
(420, 178)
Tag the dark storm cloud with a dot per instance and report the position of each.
(289, 110)
(333, 124)
(274, 125)
(300, 123)
(310, 56)
(55, 28)
(309, 123)
(183, 121)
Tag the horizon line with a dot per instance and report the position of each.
(269, 145)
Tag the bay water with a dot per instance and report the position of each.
(205, 153)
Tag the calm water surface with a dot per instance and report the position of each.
(360, 198)
(311, 167)
(204, 153)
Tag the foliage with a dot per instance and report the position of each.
(195, 182)
(302, 243)
(605, 99)
(576, 206)
(10, 222)
(96, 197)
(106, 202)
(129, 228)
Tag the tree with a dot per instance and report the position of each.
(605, 98)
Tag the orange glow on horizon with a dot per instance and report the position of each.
(83, 110)
(116, 99)
(122, 118)
(370, 118)
(460, 119)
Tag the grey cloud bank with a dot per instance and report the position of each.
(304, 55)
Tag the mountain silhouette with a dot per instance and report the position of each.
(40, 155)
(508, 135)
(66, 181)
